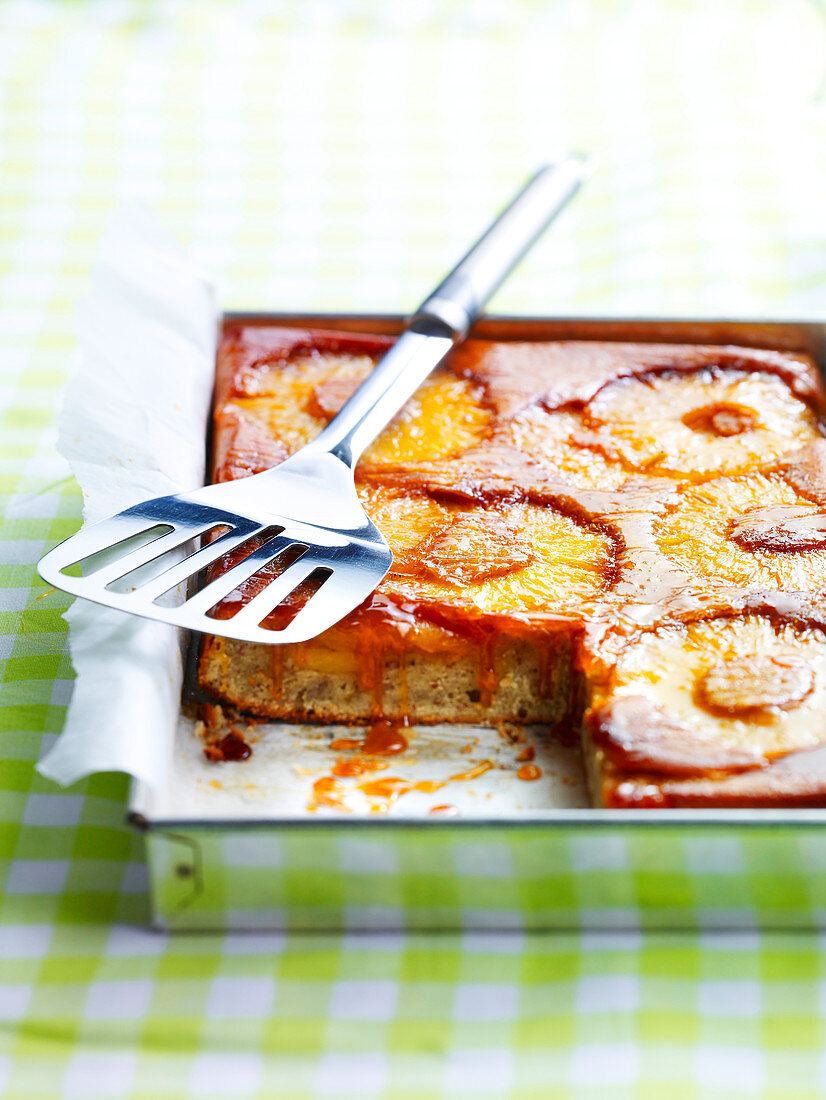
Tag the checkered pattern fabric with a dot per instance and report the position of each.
(566, 876)
(340, 154)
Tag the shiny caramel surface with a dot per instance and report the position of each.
(662, 505)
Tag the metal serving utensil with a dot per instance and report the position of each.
(301, 522)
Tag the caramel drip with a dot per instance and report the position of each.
(389, 789)
(384, 738)
(545, 665)
(529, 772)
(404, 695)
(358, 765)
(370, 671)
(277, 671)
(486, 674)
(327, 791)
(547, 652)
(474, 772)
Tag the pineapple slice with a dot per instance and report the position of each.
(748, 684)
(732, 683)
(280, 400)
(292, 404)
(748, 531)
(404, 518)
(549, 437)
(441, 420)
(697, 425)
(476, 546)
(523, 559)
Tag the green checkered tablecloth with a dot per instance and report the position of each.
(340, 155)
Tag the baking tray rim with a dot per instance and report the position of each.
(586, 817)
(285, 317)
(814, 331)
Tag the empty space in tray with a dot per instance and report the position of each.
(465, 771)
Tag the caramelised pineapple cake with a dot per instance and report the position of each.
(633, 534)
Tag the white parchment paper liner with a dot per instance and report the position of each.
(133, 426)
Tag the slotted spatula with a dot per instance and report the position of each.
(301, 523)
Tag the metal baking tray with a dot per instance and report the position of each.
(223, 853)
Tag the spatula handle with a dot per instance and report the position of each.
(459, 299)
(447, 314)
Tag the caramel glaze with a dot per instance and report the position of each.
(723, 419)
(648, 757)
(572, 372)
(780, 529)
(383, 738)
(805, 471)
(529, 772)
(384, 792)
(750, 685)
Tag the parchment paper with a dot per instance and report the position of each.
(133, 426)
